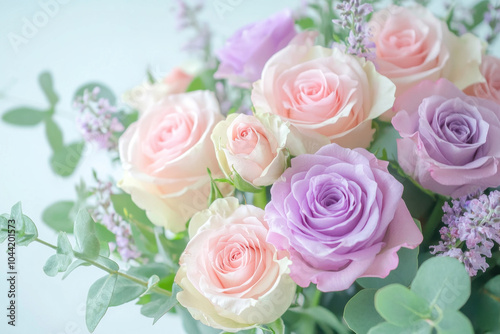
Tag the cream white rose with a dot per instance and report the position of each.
(232, 279)
(165, 156)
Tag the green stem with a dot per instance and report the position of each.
(316, 298)
(111, 272)
(260, 199)
(434, 219)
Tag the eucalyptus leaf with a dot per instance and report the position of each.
(442, 281)
(75, 264)
(54, 134)
(324, 316)
(125, 291)
(160, 304)
(277, 327)
(30, 232)
(47, 85)
(65, 160)
(58, 216)
(152, 282)
(454, 322)
(86, 238)
(98, 300)
(63, 245)
(400, 306)
(4, 228)
(57, 263)
(23, 116)
(419, 327)
(360, 313)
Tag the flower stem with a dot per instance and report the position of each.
(316, 298)
(110, 271)
(434, 219)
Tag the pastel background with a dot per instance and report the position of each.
(112, 42)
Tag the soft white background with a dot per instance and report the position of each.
(110, 41)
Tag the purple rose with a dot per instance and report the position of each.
(450, 141)
(245, 53)
(340, 215)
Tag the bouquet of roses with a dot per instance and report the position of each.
(330, 169)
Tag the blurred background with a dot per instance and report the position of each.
(112, 42)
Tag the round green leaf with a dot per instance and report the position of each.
(58, 216)
(419, 327)
(65, 160)
(400, 306)
(54, 134)
(360, 313)
(454, 322)
(442, 281)
(23, 116)
(47, 85)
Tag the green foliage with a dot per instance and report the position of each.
(47, 85)
(54, 135)
(58, 216)
(26, 231)
(214, 190)
(400, 306)
(478, 14)
(360, 313)
(98, 300)
(305, 23)
(65, 160)
(85, 234)
(403, 274)
(125, 291)
(160, 304)
(204, 81)
(23, 116)
(487, 306)
(276, 327)
(192, 326)
(243, 185)
(323, 316)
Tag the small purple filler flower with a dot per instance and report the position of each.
(352, 17)
(245, 53)
(472, 228)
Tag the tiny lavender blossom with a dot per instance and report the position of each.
(187, 18)
(97, 121)
(472, 228)
(352, 14)
(103, 212)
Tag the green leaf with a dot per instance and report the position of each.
(4, 227)
(149, 269)
(488, 307)
(98, 300)
(360, 313)
(204, 81)
(324, 316)
(419, 327)
(57, 263)
(493, 286)
(215, 192)
(196, 84)
(160, 304)
(108, 263)
(403, 274)
(23, 116)
(170, 249)
(47, 85)
(85, 235)
(277, 327)
(478, 14)
(454, 322)
(152, 282)
(58, 216)
(54, 135)
(442, 281)
(305, 23)
(192, 326)
(243, 185)
(30, 232)
(65, 160)
(125, 291)
(16, 213)
(400, 306)
(105, 92)
(105, 236)
(63, 245)
(77, 263)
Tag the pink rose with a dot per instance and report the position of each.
(258, 147)
(450, 141)
(322, 90)
(490, 69)
(413, 45)
(165, 156)
(231, 277)
(144, 96)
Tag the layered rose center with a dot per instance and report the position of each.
(452, 130)
(316, 95)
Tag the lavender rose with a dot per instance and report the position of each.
(245, 53)
(451, 141)
(341, 216)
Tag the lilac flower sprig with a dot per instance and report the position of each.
(98, 120)
(188, 18)
(352, 16)
(102, 211)
(472, 226)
